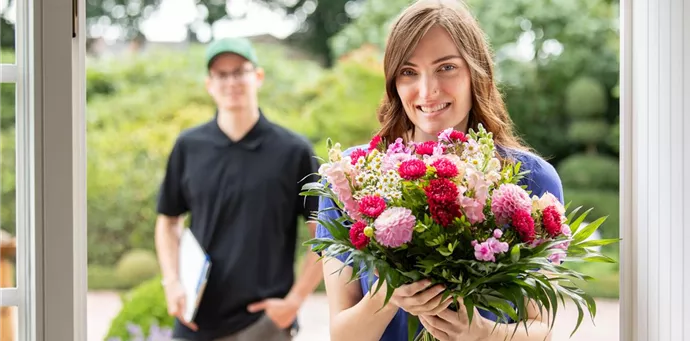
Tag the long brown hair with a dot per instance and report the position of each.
(412, 24)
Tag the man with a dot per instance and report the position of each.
(239, 176)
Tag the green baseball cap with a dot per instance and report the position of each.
(239, 46)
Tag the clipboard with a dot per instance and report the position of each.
(194, 266)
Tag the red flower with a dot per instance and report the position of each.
(425, 148)
(412, 169)
(524, 224)
(444, 213)
(441, 191)
(445, 168)
(356, 154)
(372, 206)
(457, 135)
(357, 236)
(374, 142)
(551, 219)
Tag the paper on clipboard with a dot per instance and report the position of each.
(193, 266)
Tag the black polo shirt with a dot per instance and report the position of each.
(244, 202)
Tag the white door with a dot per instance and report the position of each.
(50, 172)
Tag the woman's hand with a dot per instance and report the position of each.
(418, 299)
(450, 325)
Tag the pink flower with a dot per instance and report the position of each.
(557, 258)
(450, 135)
(565, 229)
(498, 233)
(356, 155)
(371, 206)
(551, 219)
(394, 160)
(524, 224)
(335, 174)
(394, 227)
(397, 147)
(445, 168)
(473, 209)
(484, 252)
(476, 182)
(357, 237)
(412, 169)
(508, 199)
(497, 246)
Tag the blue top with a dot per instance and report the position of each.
(542, 178)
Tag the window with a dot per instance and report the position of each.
(49, 180)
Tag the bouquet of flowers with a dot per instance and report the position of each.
(451, 211)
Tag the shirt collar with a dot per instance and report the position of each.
(252, 140)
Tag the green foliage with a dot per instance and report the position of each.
(589, 171)
(136, 266)
(604, 202)
(585, 97)
(589, 131)
(7, 182)
(144, 306)
(103, 278)
(7, 101)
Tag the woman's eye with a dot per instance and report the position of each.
(448, 67)
(407, 72)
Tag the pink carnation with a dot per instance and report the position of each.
(394, 227)
(508, 199)
(371, 205)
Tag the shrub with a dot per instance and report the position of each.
(603, 202)
(144, 306)
(135, 267)
(589, 171)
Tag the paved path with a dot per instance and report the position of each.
(103, 306)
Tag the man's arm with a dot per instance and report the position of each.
(167, 239)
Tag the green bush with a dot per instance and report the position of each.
(604, 203)
(144, 306)
(135, 267)
(103, 278)
(586, 97)
(589, 171)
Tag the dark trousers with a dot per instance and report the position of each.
(262, 330)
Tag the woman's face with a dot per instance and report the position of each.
(434, 86)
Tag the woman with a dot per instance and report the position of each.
(439, 74)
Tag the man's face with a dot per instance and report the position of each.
(233, 82)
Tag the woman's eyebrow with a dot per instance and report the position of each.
(442, 59)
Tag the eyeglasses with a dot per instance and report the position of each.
(238, 74)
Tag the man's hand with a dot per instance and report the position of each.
(174, 296)
(282, 312)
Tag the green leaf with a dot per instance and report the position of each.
(412, 326)
(575, 225)
(584, 233)
(515, 253)
(599, 259)
(596, 242)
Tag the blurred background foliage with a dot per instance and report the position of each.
(557, 64)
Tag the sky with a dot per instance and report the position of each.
(168, 24)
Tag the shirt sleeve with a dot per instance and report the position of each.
(171, 199)
(307, 206)
(543, 178)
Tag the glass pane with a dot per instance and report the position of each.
(7, 32)
(9, 324)
(8, 231)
